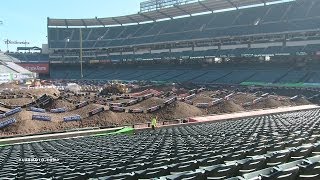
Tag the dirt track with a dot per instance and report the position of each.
(25, 125)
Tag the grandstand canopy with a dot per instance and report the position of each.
(200, 6)
(28, 48)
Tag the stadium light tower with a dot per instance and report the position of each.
(81, 73)
(1, 23)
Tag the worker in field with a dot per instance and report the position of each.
(154, 122)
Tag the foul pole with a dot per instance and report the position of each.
(81, 53)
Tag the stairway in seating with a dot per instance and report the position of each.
(221, 77)
(244, 80)
(7, 58)
(190, 80)
(306, 77)
(284, 75)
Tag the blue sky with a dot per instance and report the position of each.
(27, 19)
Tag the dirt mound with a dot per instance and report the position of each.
(243, 98)
(109, 118)
(202, 98)
(178, 110)
(17, 101)
(302, 101)
(83, 112)
(286, 102)
(25, 125)
(153, 101)
(181, 91)
(53, 92)
(121, 101)
(62, 104)
(224, 107)
(268, 103)
(231, 106)
(9, 86)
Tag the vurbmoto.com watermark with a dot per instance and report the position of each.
(38, 159)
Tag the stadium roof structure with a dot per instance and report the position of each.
(201, 6)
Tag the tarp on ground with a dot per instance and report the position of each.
(125, 130)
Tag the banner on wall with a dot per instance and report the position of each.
(41, 68)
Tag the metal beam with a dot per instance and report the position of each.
(66, 22)
(201, 4)
(84, 23)
(145, 16)
(129, 17)
(116, 20)
(164, 14)
(264, 2)
(100, 22)
(232, 4)
(179, 8)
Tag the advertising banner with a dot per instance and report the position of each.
(13, 111)
(41, 117)
(58, 110)
(7, 122)
(41, 68)
(72, 118)
(96, 111)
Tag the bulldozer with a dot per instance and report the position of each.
(114, 88)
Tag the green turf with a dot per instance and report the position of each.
(125, 130)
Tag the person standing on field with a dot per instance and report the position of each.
(154, 123)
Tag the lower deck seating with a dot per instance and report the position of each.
(278, 146)
(223, 75)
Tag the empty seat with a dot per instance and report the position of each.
(310, 168)
(220, 171)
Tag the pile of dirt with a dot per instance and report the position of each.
(178, 110)
(267, 103)
(243, 98)
(62, 104)
(203, 97)
(53, 92)
(16, 101)
(153, 101)
(231, 106)
(162, 88)
(121, 101)
(80, 98)
(25, 125)
(109, 118)
(83, 112)
(224, 107)
(286, 102)
(181, 91)
(9, 86)
(173, 111)
(302, 101)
